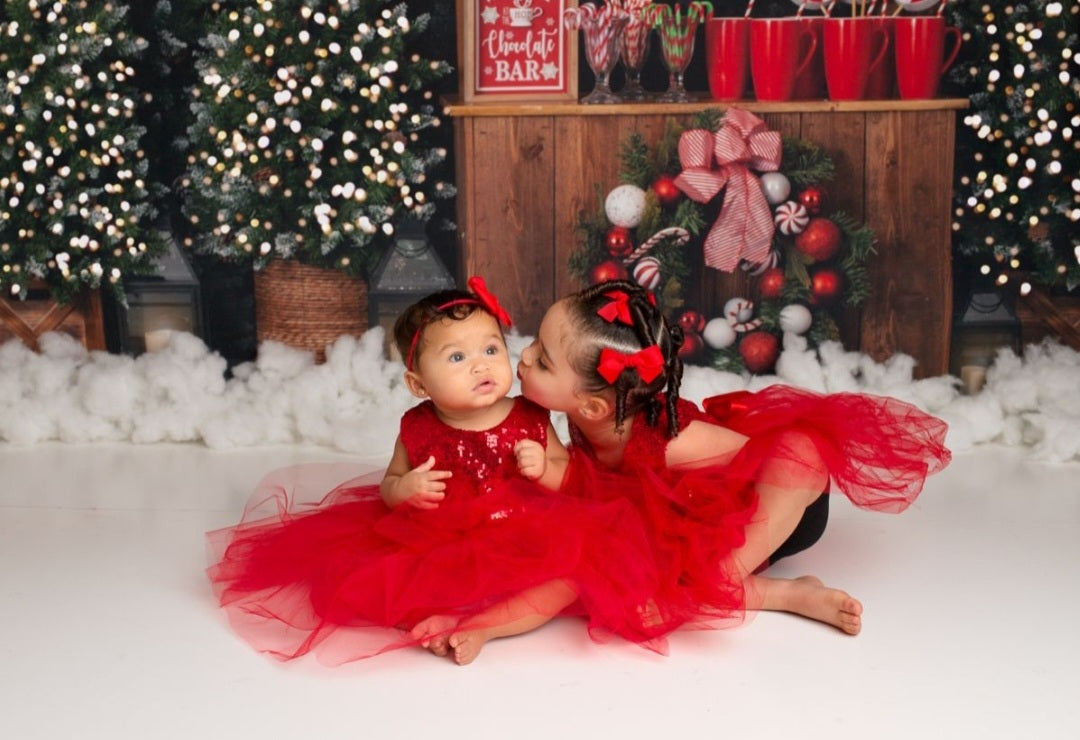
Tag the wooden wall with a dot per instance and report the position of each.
(526, 172)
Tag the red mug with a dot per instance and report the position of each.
(727, 57)
(854, 47)
(810, 85)
(881, 82)
(779, 52)
(920, 47)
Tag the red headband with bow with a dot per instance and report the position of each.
(483, 298)
(648, 362)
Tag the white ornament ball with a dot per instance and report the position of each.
(718, 333)
(776, 187)
(795, 318)
(625, 205)
(791, 217)
(647, 273)
(739, 310)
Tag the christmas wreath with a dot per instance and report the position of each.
(726, 193)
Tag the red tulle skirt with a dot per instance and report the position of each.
(347, 578)
(876, 450)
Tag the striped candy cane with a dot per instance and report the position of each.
(677, 233)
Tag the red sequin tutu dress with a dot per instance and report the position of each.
(876, 450)
(345, 577)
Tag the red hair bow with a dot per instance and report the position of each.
(489, 301)
(618, 309)
(648, 362)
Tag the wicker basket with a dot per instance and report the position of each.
(308, 307)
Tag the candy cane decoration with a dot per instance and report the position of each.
(677, 233)
(738, 312)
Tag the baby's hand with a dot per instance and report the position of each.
(423, 487)
(531, 458)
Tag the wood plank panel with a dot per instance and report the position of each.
(511, 225)
(909, 189)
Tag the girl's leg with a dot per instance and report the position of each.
(790, 482)
(522, 613)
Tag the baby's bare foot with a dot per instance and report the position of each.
(466, 645)
(434, 633)
(811, 598)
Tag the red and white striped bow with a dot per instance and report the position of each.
(714, 161)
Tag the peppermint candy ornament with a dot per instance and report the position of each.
(791, 217)
(738, 310)
(647, 273)
(756, 269)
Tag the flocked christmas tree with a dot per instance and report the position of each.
(75, 210)
(310, 131)
(1018, 152)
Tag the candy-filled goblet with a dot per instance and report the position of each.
(635, 50)
(603, 28)
(677, 30)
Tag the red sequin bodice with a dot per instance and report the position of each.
(477, 459)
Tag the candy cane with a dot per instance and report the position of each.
(749, 8)
(655, 15)
(746, 326)
(678, 233)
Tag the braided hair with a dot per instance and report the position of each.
(647, 327)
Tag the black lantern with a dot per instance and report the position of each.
(406, 273)
(984, 323)
(158, 305)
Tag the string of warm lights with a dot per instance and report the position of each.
(74, 202)
(1018, 196)
(307, 139)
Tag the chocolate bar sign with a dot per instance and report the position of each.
(521, 46)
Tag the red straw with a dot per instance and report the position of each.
(749, 7)
(941, 7)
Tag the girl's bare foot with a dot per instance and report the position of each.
(466, 645)
(812, 598)
(809, 597)
(434, 633)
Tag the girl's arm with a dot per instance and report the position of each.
(702, 443)
(421, 486)
(546, 466)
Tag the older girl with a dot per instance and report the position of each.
(726, 489)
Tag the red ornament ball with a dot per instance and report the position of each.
(812, 199)
(759, 350)
(667, 192)
(692, 322)
(826, 286)
(619, 242)
(692, 345)
(605, 271)
(771, 283)
(820, 240)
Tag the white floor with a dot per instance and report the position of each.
(108, 628)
